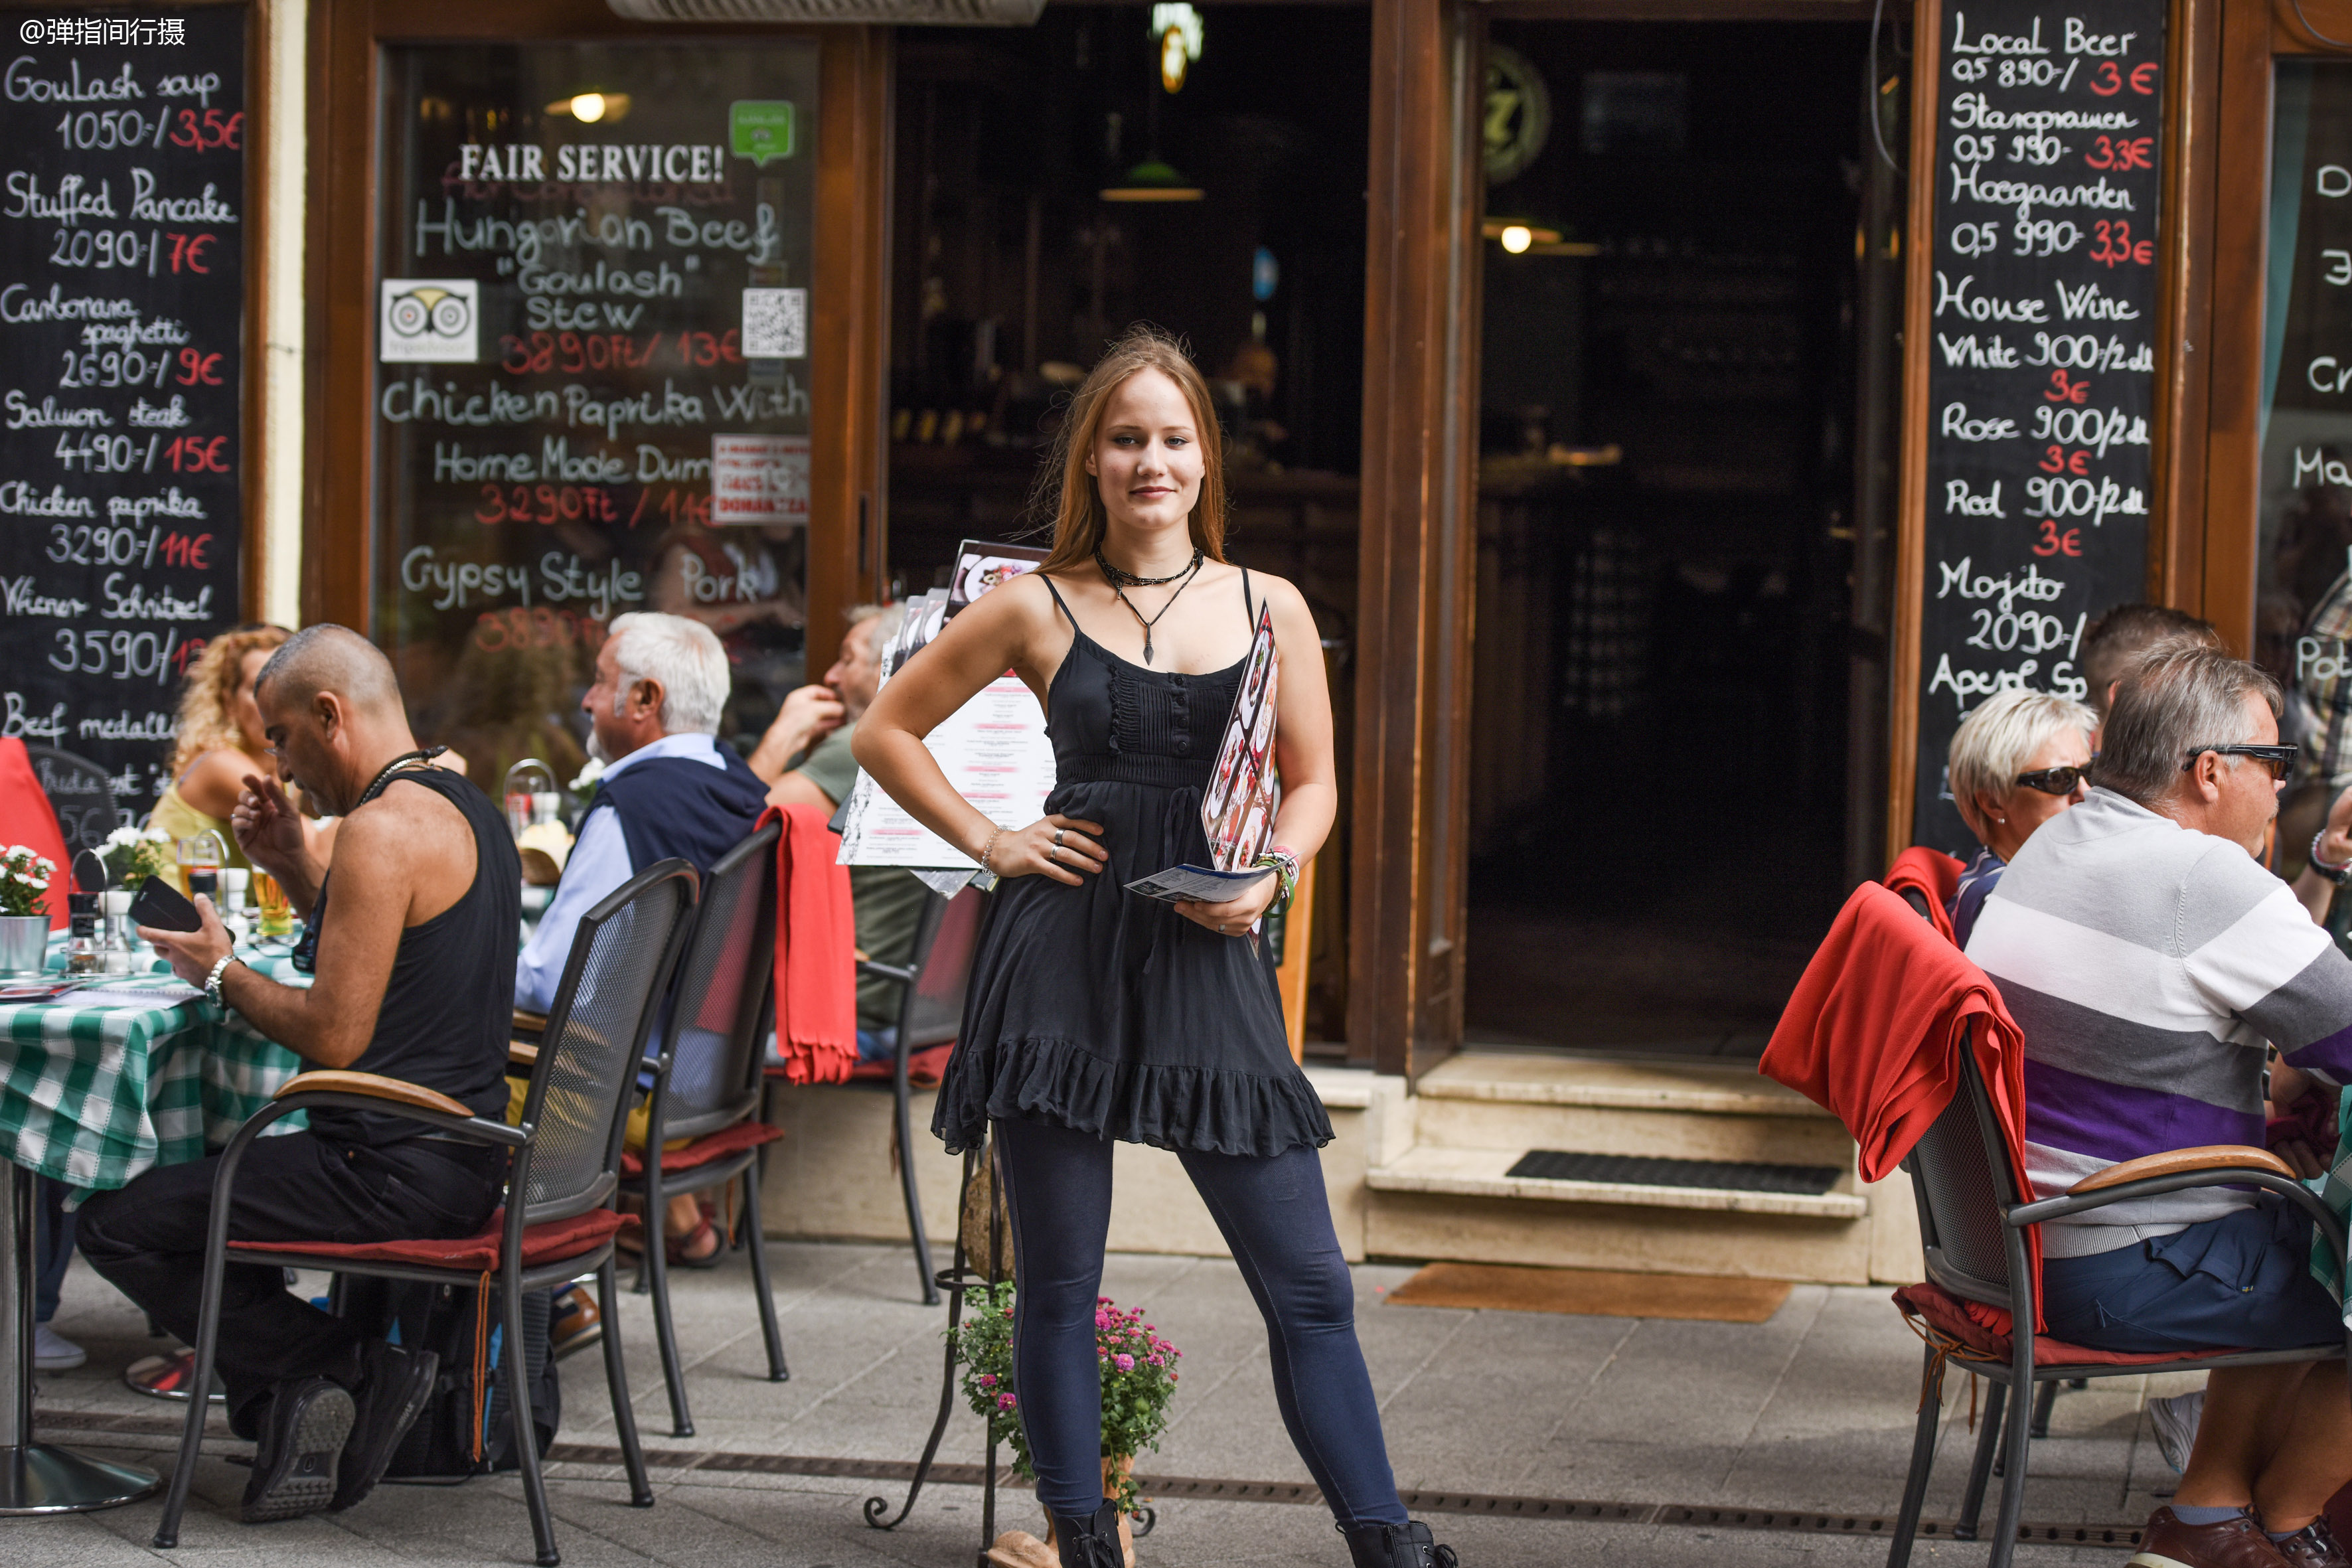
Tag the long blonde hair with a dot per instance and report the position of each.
(1071, 493)
(208, 699)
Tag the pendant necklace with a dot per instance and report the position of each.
(1120, 582)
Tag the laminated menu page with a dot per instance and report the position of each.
(1237, 809)
(993, 750)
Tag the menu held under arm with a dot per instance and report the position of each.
(121, 303)
(2040, 353)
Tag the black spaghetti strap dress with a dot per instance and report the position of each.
(1101, 1010)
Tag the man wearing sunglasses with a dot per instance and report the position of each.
(2151, 961)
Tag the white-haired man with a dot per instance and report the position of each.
(670, 787)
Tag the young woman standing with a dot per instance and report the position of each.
(1096, 1015)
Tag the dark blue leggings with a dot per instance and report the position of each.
(1275, 1217)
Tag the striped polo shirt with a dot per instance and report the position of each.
(2148, 964)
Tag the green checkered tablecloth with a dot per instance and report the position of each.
(96, 1088)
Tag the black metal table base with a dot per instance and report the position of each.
(35, 1477)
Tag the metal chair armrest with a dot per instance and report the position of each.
(374, 1085)
(874, 968)
(2172, 1161)
(2323, 1218)
(382, 1097)
(657, 1112)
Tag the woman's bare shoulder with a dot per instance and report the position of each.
(215, 779)
(1279, 592)
(1020, 603)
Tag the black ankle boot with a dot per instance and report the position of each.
(1089, 1543)
(1394, 1546)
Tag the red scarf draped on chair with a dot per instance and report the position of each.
(817, 950)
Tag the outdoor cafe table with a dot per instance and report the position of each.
(96, 1087)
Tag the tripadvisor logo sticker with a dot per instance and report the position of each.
(761, 130)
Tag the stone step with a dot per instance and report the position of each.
(1556, 1079)
(1497, 1101)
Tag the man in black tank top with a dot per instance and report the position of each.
(414, 980)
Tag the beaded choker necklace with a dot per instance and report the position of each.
(1120, 579)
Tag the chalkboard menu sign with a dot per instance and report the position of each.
(2040, 353)
(122, 239)
(593, 384)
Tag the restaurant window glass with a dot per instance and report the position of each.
(592, 382)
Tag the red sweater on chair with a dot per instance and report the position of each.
(1936, 875)
(1872, 1032)
(817, 950)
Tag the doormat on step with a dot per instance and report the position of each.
(1644, 1170)
(1592, 1292)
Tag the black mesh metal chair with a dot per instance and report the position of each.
(706, 1086)
(81, 794)
(931, 984)
(566, 1155)
(1973, 1225)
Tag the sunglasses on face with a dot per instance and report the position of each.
(2279, 760)
(2055, 781)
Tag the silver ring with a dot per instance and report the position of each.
(1057, 838)
(1221, 928)
(1055, 855)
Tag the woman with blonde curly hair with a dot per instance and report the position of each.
(220, 738)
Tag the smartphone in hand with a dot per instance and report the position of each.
(162, 907)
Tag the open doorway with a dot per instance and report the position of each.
(1673, 767)
(1053, 183)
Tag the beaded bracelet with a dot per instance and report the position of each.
(2339, 874)
(1286, 869)
(989, 848)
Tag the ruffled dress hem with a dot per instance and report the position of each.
(1214, 1110)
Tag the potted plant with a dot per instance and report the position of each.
(1138, 1380)
(24, 915)
(131, 855)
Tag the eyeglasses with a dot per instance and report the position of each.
(2279, 760)
(2055, 781)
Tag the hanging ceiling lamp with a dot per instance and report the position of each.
(1176, 32)
(1152, 181)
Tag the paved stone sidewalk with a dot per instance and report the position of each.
(1810, 1411)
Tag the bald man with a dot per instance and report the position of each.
(414, 967)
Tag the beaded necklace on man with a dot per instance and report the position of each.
(305, 957)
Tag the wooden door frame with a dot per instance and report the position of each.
(1419, 575)
(2220, 571)
(850, 315)
(1418, 597)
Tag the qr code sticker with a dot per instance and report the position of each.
(776, 323)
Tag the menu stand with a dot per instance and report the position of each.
(40, 1478)
(955, 1279)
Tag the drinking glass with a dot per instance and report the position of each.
(277, 914)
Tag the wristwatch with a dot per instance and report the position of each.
(2339, 874)
(213, 981)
